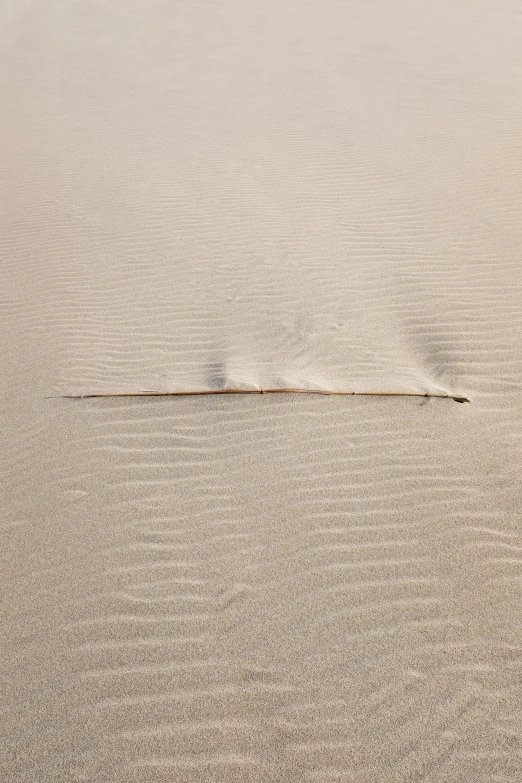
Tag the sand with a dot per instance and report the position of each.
(261, 588)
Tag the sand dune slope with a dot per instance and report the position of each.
(261, 588)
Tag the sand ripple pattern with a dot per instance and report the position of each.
(220, 603)
(256, 589)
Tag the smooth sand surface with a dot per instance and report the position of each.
(261, 589)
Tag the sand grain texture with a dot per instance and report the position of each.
(260, 588)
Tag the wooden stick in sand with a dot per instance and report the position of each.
(455, 397)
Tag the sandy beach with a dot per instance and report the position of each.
(243, 588)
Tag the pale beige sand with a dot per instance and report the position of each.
(248, 589)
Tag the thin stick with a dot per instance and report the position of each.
(455, 397)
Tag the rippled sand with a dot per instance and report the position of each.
(277, 588)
